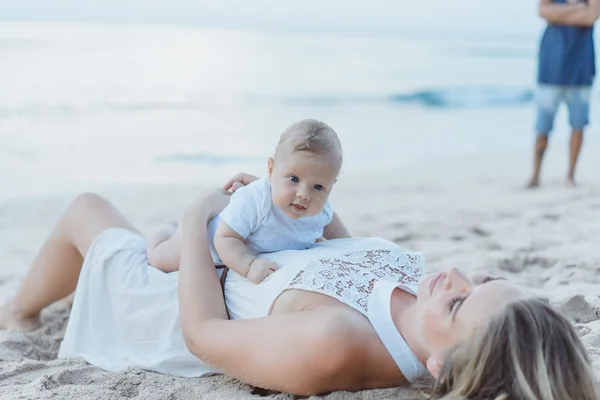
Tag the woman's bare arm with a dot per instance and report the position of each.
(200, 294)
(301, 353)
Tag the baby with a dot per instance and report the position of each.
(288, 210)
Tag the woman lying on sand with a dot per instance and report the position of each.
(348, 314)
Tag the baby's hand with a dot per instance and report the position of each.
(238, 181)
(260, 269)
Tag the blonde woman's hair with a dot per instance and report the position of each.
(311, 136)
(528, 352)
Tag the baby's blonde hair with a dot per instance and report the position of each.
(311, 136)
(528, 352)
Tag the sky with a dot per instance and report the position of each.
(372, 17)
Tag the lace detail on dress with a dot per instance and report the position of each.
(350, 277)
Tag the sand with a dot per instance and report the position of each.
(545, 240)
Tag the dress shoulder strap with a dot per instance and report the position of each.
(380, 316)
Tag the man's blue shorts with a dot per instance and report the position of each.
(549, 97)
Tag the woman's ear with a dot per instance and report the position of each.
(434, 366)
(271, 165)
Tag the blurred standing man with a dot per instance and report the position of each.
(565, 73)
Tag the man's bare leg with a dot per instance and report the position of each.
(541, 143)
(55, 270)
(574, 150)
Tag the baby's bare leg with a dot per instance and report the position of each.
(55, 270)
(160, 235)
(164, 248)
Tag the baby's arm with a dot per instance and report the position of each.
(236, 256)
(232, 250)
(336, 229)
(164, 248)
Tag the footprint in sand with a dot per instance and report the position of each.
(458, 238)
(519, 264)
(47, 382)
(404, 238)
(513, 265)
(582, 330)
(580, 310)
(493, 246)
(551, 217)
(480, 232)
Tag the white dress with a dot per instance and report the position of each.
(126, 313)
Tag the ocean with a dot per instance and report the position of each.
(85, 105)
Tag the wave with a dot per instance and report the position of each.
(464, 97)
(460, 97)
(468, 97)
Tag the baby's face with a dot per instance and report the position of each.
(301, 182)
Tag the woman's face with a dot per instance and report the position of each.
(452, 305)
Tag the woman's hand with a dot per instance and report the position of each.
(238, 181)
(207, 206)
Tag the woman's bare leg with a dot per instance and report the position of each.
(55, 270)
